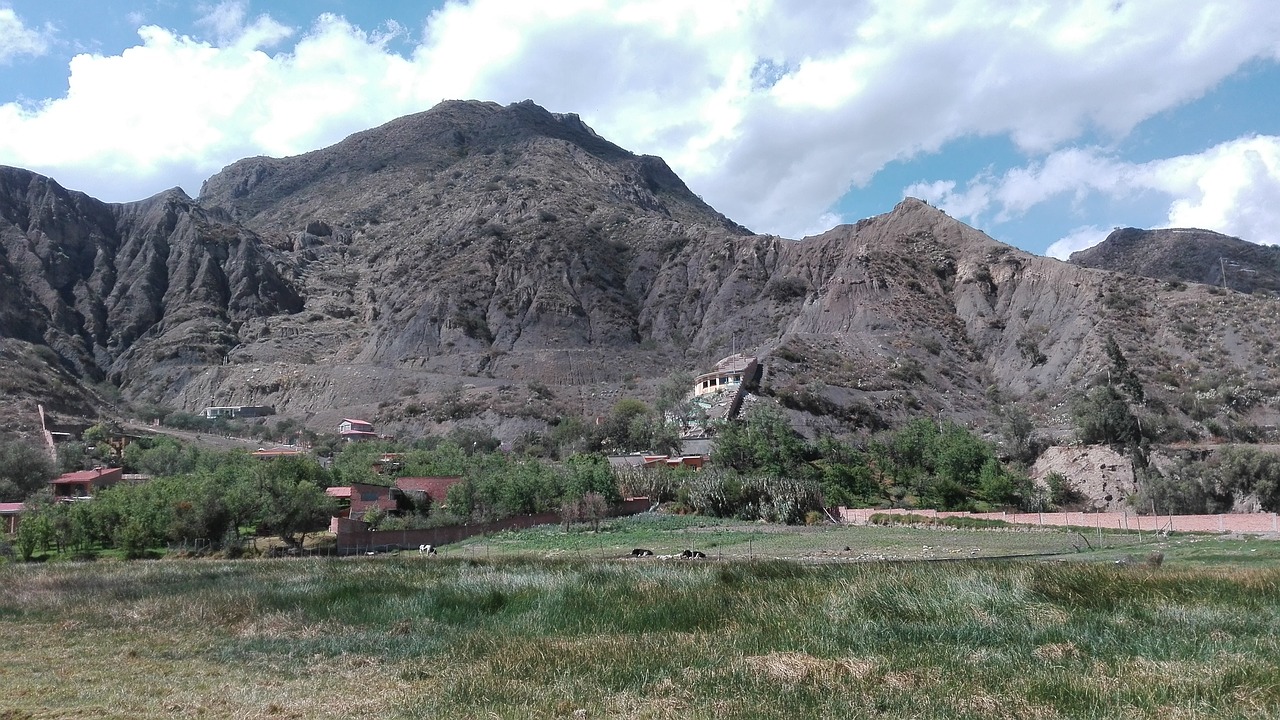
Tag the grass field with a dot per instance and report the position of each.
(521, 636)
(738, 540)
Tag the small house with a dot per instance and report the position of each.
(433, 487)
(9, 513)
(729, 374)
(238, 411)
(84, 483)
(278, 452)
(357, 499)
(353, 430)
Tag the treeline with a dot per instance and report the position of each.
(221, 500)
(1224, 481)
(763, 469)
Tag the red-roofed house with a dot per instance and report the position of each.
(84, 483)
(355, 500)
(648, 462)
(356, 430)
(435, 487)
(9, 513)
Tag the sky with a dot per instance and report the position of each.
(1046, 124)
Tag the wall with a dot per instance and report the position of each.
(354, 536)
(1234, 522)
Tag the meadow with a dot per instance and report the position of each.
(518, 634)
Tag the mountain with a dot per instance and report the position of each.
(1187, 255)
(503, 266)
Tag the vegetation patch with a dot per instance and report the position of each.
(408, 637)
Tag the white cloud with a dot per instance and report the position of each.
(846, 88)
(1078, 239)
(1232, 188)
(226, 21)
(17, 39)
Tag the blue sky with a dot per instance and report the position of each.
(1044, 123)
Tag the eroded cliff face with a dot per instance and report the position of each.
(114, 290)
(476, 250)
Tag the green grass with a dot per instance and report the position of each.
(522, 636)
(739, 540)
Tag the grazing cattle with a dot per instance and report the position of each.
(641, 552)
(426, 549)
(690, 554)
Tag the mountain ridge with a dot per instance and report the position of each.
(512, 248)
(1187, 255)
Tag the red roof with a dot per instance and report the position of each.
(338, 492)
(11, 508)
(436, 487)
(96, 476)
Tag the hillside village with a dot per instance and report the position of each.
(381, 505)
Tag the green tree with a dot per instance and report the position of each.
(845, 475)
(586, 473)
(34, 532)
(763, 443)
(24, 469)
(1121, 374)
(615, 434)
(1016, 428)
(1103, 417)
(673, 392)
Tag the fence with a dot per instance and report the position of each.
(1234, 522)
(355, 536)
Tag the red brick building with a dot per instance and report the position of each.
(434, 487)
(84, 483)
(357, 499)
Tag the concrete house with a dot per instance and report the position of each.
(728, 375)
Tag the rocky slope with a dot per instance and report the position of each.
(501, 266)
(1188, 255)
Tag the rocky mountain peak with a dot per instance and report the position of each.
(1187, 255)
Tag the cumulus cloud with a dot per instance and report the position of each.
(772, 111)
(226, 22)
(16, 39)
(1232, 188)
(1078, 239)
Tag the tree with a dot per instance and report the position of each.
(672, 393)
(763, 442)
(586, 473)
(615, 434)
(1121, 373)
(24, 469)
(1103, 417)
(1016, 429)
(34, 532)
(294, 497)
(594, 508)
(845, 475)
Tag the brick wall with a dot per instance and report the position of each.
(1233, 522)
(354, 536)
